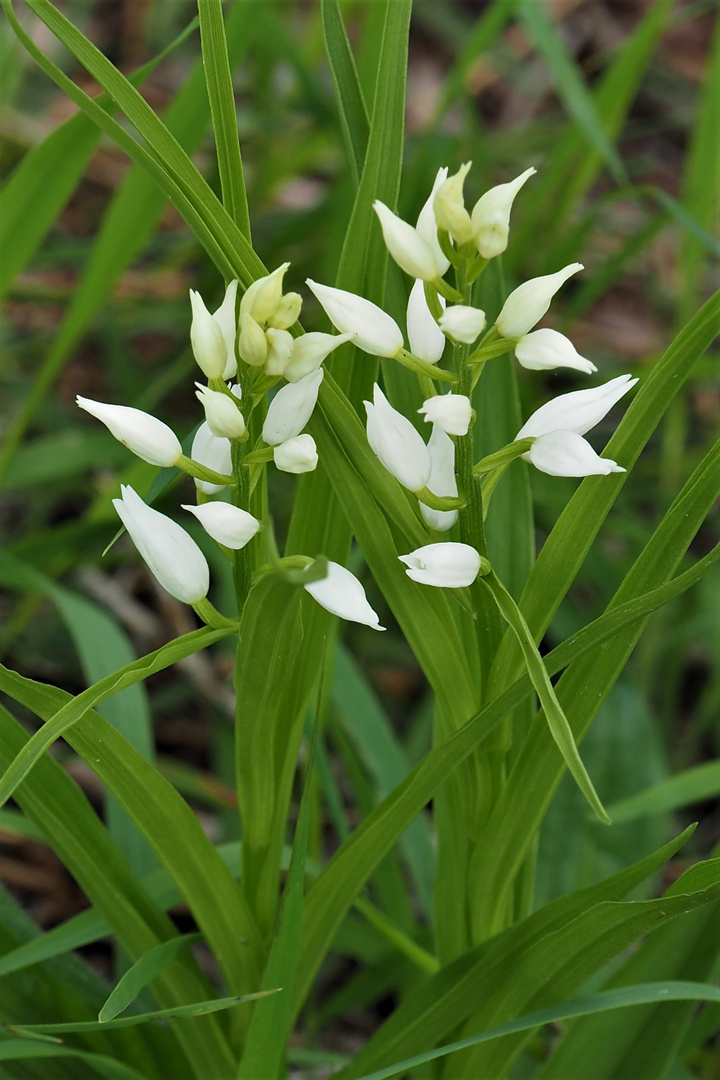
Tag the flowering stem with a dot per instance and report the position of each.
(503, 457)
(194, 468)
(211, 616)
(423, 367)
(242, 562)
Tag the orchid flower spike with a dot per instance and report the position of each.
(171, 554)
(491, 216)
(446, 566)
(396, 443)
(228, 524)
(558, 426)
(408, 248)
(142, 433)
(442, 480)
(207, 339)
(528, 303)
(372, 329)
(340, 593)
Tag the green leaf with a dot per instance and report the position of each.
(569, 83)
(142, 972)
(125, 229)
(168, 824)
(17, 1049)
(42, 183)
(56, 805)
(502, 969)
(375, 741)
(570, 540)
(538, 768)
(593, 1003)
(101, 645)
(197, 1008)
(222, 109)
(556, 719)
(271, 1021)
(343, 878)
(684, 789)
(348, 92)
(273, 678)
(77, 708)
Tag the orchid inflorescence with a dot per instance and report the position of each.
(250, 341)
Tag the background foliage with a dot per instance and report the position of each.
(617, 106)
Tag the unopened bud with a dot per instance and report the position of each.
(449, 207)
(252, 343)
(207, 339)
(296, 455)
(491, 216)
(280, 347)
(287, 313)
(264, 295)
(222, 414)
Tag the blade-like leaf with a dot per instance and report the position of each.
(142, 972)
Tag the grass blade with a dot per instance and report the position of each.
(222, 108)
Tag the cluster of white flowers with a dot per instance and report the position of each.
(252, 343)
(446, 232)
(258, 336)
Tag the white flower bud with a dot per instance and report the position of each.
(528, 303)
(410, 251)
(309, 351)
(446, 566)
(287, 313)
(565, 453)
(452, 412)
(170, 553)
(577, 411)
(225, 318)
(427, 225)
(396, 443)
(213, 453)
(545, 349)
(252, 343)
(291, 408)
(424, 335)
(296, 455)
(264, 295)
(228, 524)
(463, 323)
(491, 216)
(207, 339)
(373, 330)
(142, 433)
(449, 206)
(280, 347)
(221, 413)
(340, 593)
(442, 479)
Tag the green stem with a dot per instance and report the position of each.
(194, 468)
(503, 457)
(423, 367)
(210, 615)
(242, 562)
